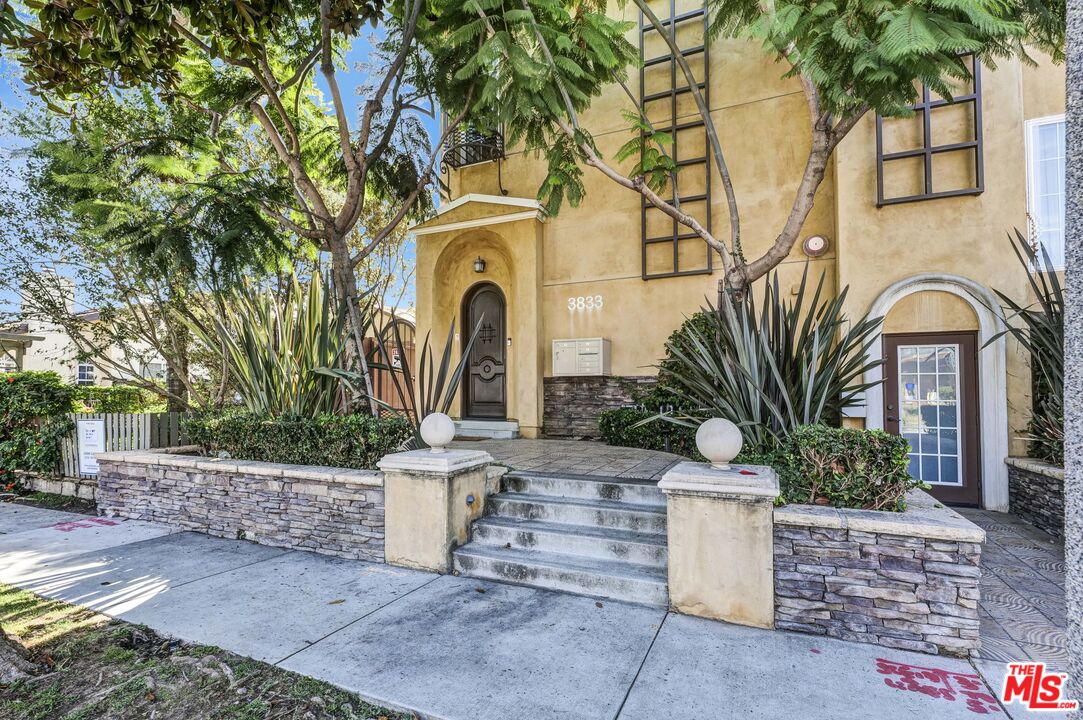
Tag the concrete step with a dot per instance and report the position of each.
(579, 511)
(570, 573)
(495, 429)
(590, 487)
(594, 542)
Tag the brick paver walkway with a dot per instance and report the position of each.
(1022, 591)
(578, 457)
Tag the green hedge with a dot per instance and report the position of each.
(118, 399)
(618, 427)
(349, 441)
(33, 421)
(816, 465)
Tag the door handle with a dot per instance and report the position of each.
(891, 418)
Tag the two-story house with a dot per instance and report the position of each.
(914, 217)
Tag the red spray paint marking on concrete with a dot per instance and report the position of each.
(936, 683)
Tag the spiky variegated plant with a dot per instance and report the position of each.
(772, 369)
(277, 347)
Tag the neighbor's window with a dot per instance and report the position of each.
(1045, 184)
(85, 374)
(154, 371)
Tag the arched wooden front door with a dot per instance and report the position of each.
(485, 389)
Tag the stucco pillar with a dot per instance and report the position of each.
(430, 500)
(720, 529)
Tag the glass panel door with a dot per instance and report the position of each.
(930, 417)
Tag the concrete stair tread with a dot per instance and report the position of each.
(600, 533)
(592, 503)
(611, 534)
(608, 479)
(561, 561)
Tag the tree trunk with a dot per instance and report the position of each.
(1073, 351)
(176, 372)
(345, 286)
(745, 273)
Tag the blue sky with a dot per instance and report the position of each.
(13, 93)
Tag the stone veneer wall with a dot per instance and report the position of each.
(1036, 493)
(573, 404)
(334, 511)
(901, 580)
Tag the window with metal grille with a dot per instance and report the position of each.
(670, 249)
(935, 153)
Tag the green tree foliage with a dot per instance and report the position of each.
(128, 202)
(255, 64)
(33, 421)
(849, 59)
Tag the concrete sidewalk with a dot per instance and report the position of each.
(464, 649)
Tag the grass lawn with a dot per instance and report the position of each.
(92, 667)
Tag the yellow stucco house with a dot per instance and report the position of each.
(913, 216)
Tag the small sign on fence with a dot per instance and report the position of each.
(91, 442)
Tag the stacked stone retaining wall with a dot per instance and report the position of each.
(333, 511)
(901, 580)
(1036, 493)
(573, 404)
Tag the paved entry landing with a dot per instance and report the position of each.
(576, 457)
(1022, 591)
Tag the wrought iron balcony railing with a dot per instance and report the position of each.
(470, 146)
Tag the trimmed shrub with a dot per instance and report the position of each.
(348, 441)
(844, 467)
(618, 427)
(33, 421)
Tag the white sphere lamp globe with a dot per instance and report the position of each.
(437, 430)
(719, 440)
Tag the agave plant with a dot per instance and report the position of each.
(770, 370)
(1039, 328)
(278, 348)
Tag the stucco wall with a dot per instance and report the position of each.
(595, 249)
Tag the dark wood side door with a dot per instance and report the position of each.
(484, 392)
(931, 399)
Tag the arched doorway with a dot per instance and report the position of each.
(485, 384)
(990, 371)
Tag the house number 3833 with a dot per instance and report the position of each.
(585, 302)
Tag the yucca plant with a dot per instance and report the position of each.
(774, 368)
(278, 348)
(1039, 328)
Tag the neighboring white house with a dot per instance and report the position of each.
(38, 344)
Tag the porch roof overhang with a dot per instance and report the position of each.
(479, 210)
(10, 338)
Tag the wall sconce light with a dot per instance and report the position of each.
(479, 265)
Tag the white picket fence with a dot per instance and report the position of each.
(123, 431)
